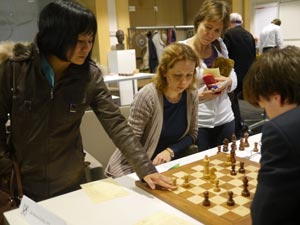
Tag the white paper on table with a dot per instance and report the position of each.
(103, 190)
(162, 218)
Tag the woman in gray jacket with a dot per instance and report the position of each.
(164, 113)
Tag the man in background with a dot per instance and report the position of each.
(270, 37)
(241, 48)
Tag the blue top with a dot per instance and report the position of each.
(174, 127)
(47, 70)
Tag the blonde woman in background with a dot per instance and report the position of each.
(163, 114)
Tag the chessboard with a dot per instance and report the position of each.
(222, 191)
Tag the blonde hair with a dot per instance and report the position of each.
(172, 54)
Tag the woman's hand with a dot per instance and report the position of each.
(162, 157)
(208, 95)
(222, 83)
(158, 179)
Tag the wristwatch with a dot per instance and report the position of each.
(171, 152)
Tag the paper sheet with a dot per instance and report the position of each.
(103, 190)
(162, 218)
(213, 71)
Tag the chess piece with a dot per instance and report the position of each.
(242, 169)
(232, 172)
(245, 191)
(213, 175)
(232, 156)
(219, 149)
(228, 160)
(186, 181)
(230, 201)
(206, 167)
(217, 188)
(255, 147)
(206, 201)
(225, 145)
(174, 181)
(241, 147)
(246, 142)
(233, 146)
(233, 138)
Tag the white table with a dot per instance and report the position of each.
(77, 209)
(127, 85)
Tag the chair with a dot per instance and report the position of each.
(253, 118)
(96, 142)
(258, 124)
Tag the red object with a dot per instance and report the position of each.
(209, 79)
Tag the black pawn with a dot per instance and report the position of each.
(232, 172)
(230, 201)
(206, 201)
(242, 169)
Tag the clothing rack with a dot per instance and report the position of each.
(143, 29)
(138, 35)
(162, 27)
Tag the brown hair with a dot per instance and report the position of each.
(276, 22)
(275, 72)
(213, 10)
(172, 54)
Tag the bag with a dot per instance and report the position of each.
(8, 198)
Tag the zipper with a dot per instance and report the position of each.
(51, 93)
(48, 143)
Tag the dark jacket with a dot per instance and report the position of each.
(277, 196)
(241, 48)
(45, 123)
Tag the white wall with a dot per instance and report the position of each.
(288, 11)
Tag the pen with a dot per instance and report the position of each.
(175, 166)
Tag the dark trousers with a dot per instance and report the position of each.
(237, 112)
(265, 49)
(212, 137)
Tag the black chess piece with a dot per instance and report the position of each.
(219, 149)
(233, 172)
(206, 201)
(230, 201)
(225, 145)
(242, 169)
(245, 191)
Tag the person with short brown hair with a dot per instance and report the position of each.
(273, 83)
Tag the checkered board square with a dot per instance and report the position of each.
(189, 198)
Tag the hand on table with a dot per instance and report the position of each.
(155, 179)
